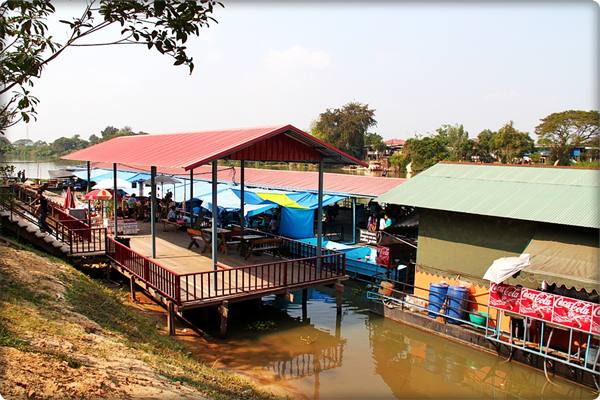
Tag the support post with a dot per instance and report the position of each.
(115, 197)
(339, 295)
(304, 305)
(320, 218)
(242, 194)
(153, 208)
(132, 289)
(88, 187)
(191, 211)
(224, 311)
(215, 219)
(354, 220)
(171, 318)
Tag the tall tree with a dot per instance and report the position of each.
(64, 145)
(375, 141)
(27, 46)
(458, 144)
(484, 146)
(565, 130)
(510, 143)
(422, 153)
(346, 127)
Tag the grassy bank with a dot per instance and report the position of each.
(64, 335)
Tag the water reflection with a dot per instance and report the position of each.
(361, 355)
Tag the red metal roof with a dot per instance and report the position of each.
(190, 150)
(395, 142)
(369, 186)
(334, 183)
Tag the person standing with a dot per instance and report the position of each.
(42, 209)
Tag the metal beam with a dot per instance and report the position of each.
(215, 218)
(191, 211)
(320, 217)
(242, 193)
(354, 220)
(89, 186)
(115, 197)
(153, 208)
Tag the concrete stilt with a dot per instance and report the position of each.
(339, 295)
(304, 305)
(338, 325)
(224, 311)
(132, 289)
(171, 318)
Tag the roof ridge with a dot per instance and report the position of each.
(509, 181)
(540, 166)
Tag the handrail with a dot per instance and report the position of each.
(80, 237)
(154, 274)
(265, 276)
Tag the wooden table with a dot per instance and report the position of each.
(206, 237)
(246, 240)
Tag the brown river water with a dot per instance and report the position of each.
(362, 355)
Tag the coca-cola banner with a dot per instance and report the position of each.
(536, 304)
(573, 313)
(596, 319)
(505, 297)
(560, 310)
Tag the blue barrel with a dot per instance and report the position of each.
(437, 295)
(457, 303)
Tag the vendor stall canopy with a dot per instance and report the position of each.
(190, 150)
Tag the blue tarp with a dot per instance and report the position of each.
(228, 200)
(296, 223)
(311, 200)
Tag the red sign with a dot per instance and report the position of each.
(573, 313)
(383, 256)
(561, 310)
(536, 304)
(505, 297)
(596, 319)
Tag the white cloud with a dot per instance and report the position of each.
(297, 57)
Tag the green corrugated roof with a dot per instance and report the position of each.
(567, 196)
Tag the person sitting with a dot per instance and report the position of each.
(273, 225)
(172, 214)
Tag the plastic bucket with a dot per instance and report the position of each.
(437, 295)
(457, 303)
(386, 288)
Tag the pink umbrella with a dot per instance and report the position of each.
(69, 199)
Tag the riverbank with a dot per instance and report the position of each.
(64, 335)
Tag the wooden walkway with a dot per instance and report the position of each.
(172, 251)
(186, 276)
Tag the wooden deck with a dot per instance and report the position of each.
(172, 251)
(187, 278)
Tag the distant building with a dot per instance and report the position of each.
(379, 160)
(472, 214)
(393, 145)
(579, 153)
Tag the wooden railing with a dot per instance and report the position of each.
(77, 234)
(291, 248)
(261, 277)
(210, 285)
(155, 275)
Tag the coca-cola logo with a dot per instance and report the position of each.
(540, 298)
(575, 307)
(505, 290)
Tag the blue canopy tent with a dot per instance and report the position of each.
(229, 200)
(298, 223)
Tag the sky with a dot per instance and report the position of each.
(419, 66)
